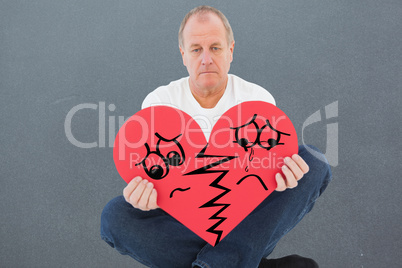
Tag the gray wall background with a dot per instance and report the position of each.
(55, 55)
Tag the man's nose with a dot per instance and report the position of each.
(206, 58)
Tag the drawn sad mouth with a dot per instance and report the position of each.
(178, 189)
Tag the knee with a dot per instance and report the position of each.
(319, 169)
(314, 158)
(109, 217)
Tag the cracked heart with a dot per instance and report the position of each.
(209, 186)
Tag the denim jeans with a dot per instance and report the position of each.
(156, 239)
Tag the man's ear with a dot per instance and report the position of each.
(182, 55)
(231, 48)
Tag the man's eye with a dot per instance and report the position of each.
(196, 50)
(215, 48)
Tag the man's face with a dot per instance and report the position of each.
(206, 52)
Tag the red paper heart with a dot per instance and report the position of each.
(209, 187)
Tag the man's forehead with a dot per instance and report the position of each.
(196, 44)
(199, 27)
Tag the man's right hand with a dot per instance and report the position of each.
(141, 194)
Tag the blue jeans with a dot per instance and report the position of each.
(156, 239)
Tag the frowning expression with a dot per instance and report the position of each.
(206, 52)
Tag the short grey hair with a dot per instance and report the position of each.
(201, 10)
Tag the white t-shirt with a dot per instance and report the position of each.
(178, 95)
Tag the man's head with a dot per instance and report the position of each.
(206, 45)
(202, 10)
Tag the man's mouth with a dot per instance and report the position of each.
(208, 72)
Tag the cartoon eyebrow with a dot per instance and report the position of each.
(178, 189)
(157, 145)
(246, 124)
(164, 139)
(260, 180)
(271, 127)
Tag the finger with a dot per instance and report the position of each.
(281, 185)
(143, 202)
(127, 191)
(291, 181)
(136, 194)
(297, 172)
(301, 163)
(152, 204)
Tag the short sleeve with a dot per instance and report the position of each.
(150, 99)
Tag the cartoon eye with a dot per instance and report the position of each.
(155, 165)
(174, 158)
(247, 135)
(172, 149)
(270, 137)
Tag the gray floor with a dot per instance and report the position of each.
(55, 55)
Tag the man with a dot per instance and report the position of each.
(135, 225)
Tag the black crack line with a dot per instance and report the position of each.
(214, 184)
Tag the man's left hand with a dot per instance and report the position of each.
(293, 170)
